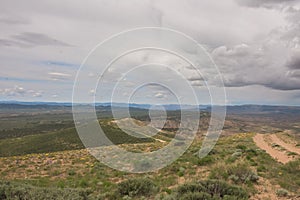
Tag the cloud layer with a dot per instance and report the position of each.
(255, 44)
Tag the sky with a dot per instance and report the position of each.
(255, 45)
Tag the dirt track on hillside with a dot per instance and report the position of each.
(287, 146)
(264, 142)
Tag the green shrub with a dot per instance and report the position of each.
(71, 172)
(236, 155)
(136, 187)
(210, 190)
(292, 167)
(195, 196)
(261, 168)
(282, 193)
(190, 187)
(219, 172)
(220, 189)
(275, 145)
(83, 183)
(206, 160)
(181, 171)
(238, 173)
(251, 152)
(292, 154)
(13, 191)
(243, 173)
(242, 147)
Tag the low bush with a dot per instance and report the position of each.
(195, 196)
(206, 160)
(242, 147)
(210, 190)
(251, 152)
(136, 187)
(71, 172)
(282, 193)
(13, 191)
(292, 167)
(242, 174)
(238, 173)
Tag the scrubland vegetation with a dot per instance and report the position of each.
(54, 165)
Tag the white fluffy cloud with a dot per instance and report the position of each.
(19, 91)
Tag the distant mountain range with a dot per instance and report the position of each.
(234, 109)
(106, 104)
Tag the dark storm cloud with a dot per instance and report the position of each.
(294, 63)
(282, 83)
(245, 65)
(273, 62)
(237, 82)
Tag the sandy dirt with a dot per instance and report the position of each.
(265, 191)
(287, 146)
(280, 156)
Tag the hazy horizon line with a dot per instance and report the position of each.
(106, 102)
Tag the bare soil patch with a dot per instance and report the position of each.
(288, 146)
(263, 142)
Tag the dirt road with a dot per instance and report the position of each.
(287, 146)
(280, 156)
